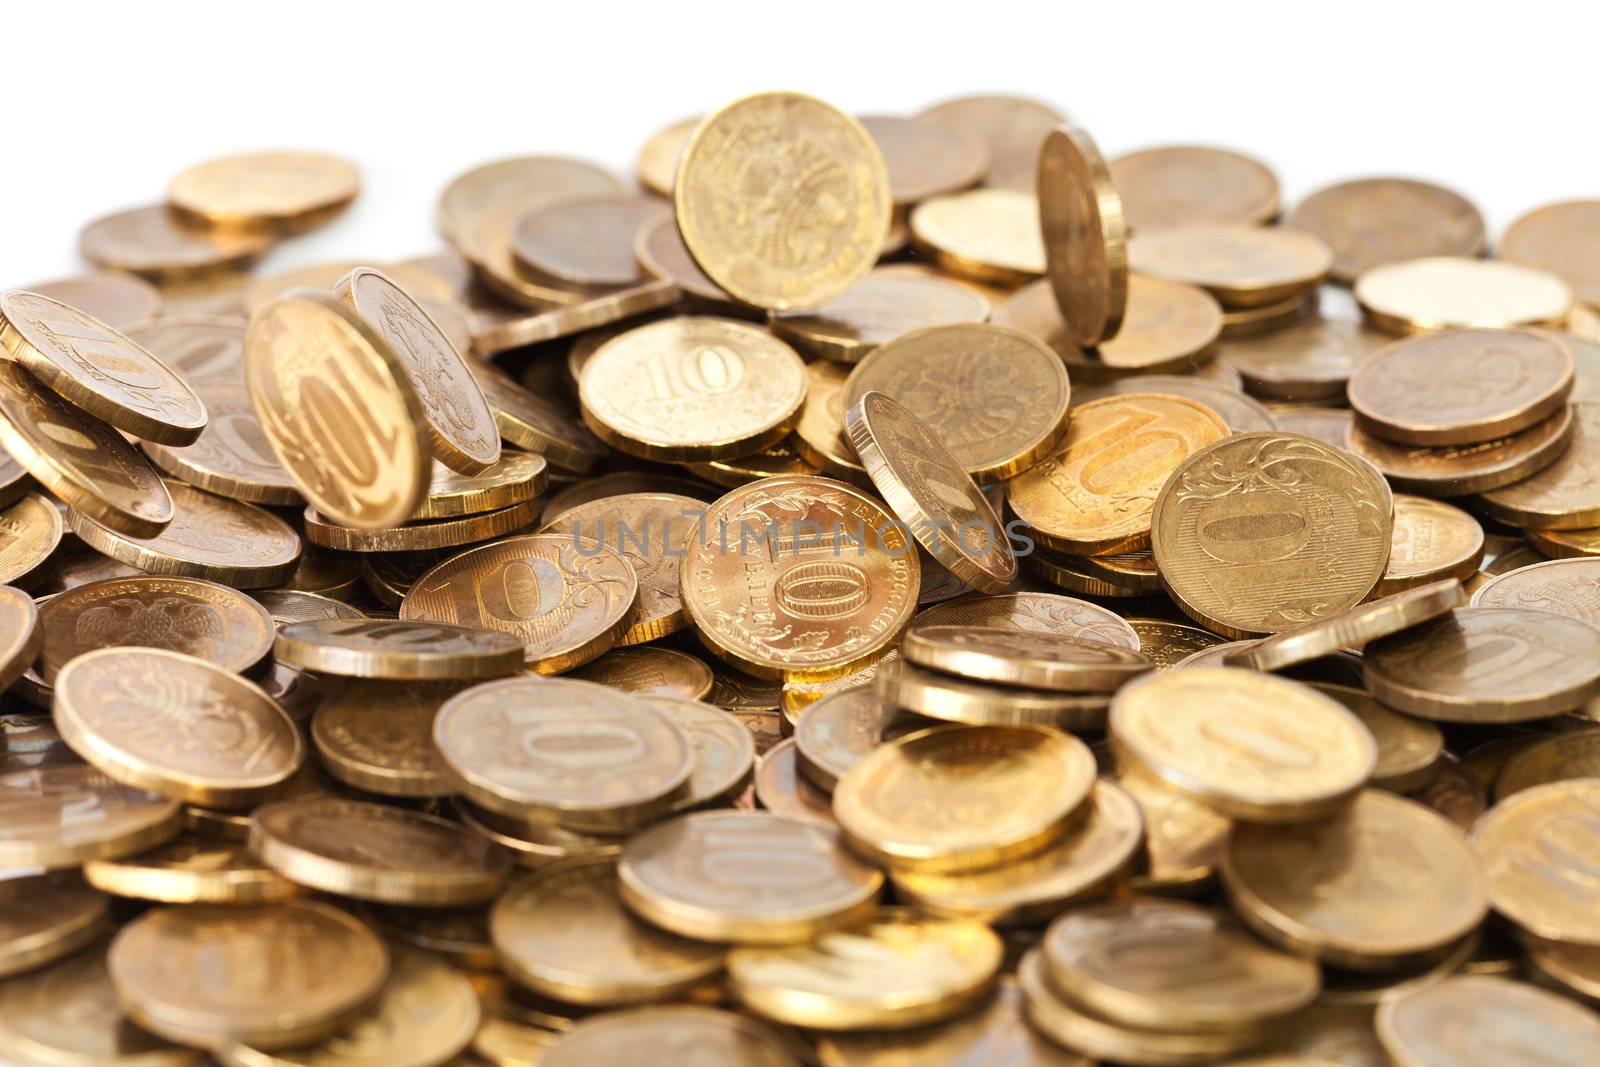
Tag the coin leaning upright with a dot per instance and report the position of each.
(1085, 235)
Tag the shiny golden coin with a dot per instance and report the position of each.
(548, 323)
(1539, 847)
(1074, 575)
(216, 293)
(335, 574)
(778, 461)
(522, 183)
(580, 610)
(175, 725)
(30, 530)
(516, 478)
(190, 869)
(1040, 612)
(774, 598)
(1479, 468)
(534, 844)
(1409, 750)
(887, 303)
(661, 252)
(119, 300)
(574, 753)
(1432, 540)
(312, 364)
(209, 537)
(1564, 495)
(724, 753)
(928, 490)
(290, 191)
(650, 670)
(746, 877)
(458, 935)
(926, 159)
(1566, 544)
(1369, 222)
(657, 164)
(1567, 755)
(1241, 413)
(717, 1038)
(1023, 658)
(995, 1035)
(989, 236)
(14, 481)
(1562, 586)
(20, 635)
(1311, 359)
(1014, 128)
(232, 456)
(1353, 628)
(1573, 969)
(952, 699)
(1449, 292)
(202, 619)
(840, 730)
(585, 242)
(378, 736)
(150, 241)
(1242, 266)
(399, 649)
(44, 917)
(1169, 643)
(1085, 235)
(420, 536)
(1489, 665)
(1244, 552)
(1190, 184)
(775, 144)
(782, 789)
(314, 965)
(820, 437)
(322, 276)
(563, 932)
(1484, 1021)
(1559, 238)
(693, 388)
(65, 815)
(533, 423)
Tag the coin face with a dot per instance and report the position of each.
(723, 751)
(1372, 221)
(46, 917)
(984, 235)
(1309, 359)
(1432, 540)
(291, 190)
(197, 346)
(1247, 530)
(65, 815)
(339, 411)
(1451, 292)
(1014, 128)
(1085, 235)
(719, 1038)
(1187, 184)
(397, 648)
(585, 242)
(1537, 845)
(231, 457)
(378, 736)
(745, 170)
(1361, 624)
(657, 164)
(839, 731)
(119, 300)
(887, 303)
(926, 159)
(1562, 495)
(191, 869)
(1478, 1020)
(150, 241)
(567, 605)
(650, 670)
(1454, 470)
(523, 183)
(20, 636)
(1551, 760)
(1563, 586)
(1040, 612)
(30, 530)
(661, 252)
(1242, 266)
(1241, 413)
(1559, 238)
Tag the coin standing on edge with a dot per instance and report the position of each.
(1085, 235)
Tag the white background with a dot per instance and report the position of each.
(104, 103)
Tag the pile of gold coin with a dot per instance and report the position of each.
(871, 591)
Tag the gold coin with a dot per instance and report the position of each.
(990, 236)
(1455, 470)
(778, 143)
(119, 300)
(1251, 745)
(1574, 969)
(650, 670)
(378, 736)
(152, 242)
(175, 725)
(657, 164)
(652, 532)
(661, 252)
(420, 536)
(530, 422)
(1014, 128)
(778, 461)
(549, 323)
(1352, 628)
(1562, 586)
(772, 595)
(1193, 184)
(1574, 755)
(926, 159)
(840, 730)
(718, 1038)
(400, 649)
(1130, 573)
(214, 293)
(995, 1035)
(516, 478)
(44, 917)
(782, 789)
(534, 844)
(289, 191)
(724, 753)
(1482, 1021)
(457, 935)
(190, 869)
(952, 699)
(1023, 658)
(1538, 846)
(1562, 496)
(209, 537)
(1004, 792)
(321, 276)
(232, 456)
(523, 183)
(1487, 665)
(1242, 266)
(335, 574)
(1559, 238)
(1451, 292)
(1038, 612)
(1085, 863)
(14, 481)
(312, 364)
(78, 458)
(504, 1041)
(563, 932)
(1369, 222)
(1244, 552)
(929, 491)
(21, 638)
(313, 966)
(1085, 236)
(1409, 750)
(1432, 540)
(1382, 884)
(585, 242)
(1249, 322)
(202, 619)
(66, 815)
(573, 753)
(1241, 413)
(1310, 359)
(30, 530)
(1566, 544)
(1169, 643)
(565, 604)
(748, 877)
(887, 303)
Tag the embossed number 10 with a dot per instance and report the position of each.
(703, 370)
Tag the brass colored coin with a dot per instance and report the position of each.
(291, 191)
(1253, 746)
(1564, 495)
(458, 935)
(1352, 628)
(1432, 540)
(839, 731)
(820, 437)
(1350, 889)
(657, 165)
(1487, 665)
(564, 933)
(1039, 612)
(777, 461)
(1169, 643)
(649, 670)
(1562, 586)
(119, 300)
(420, 536)
(44, 917)
(718, 1038)
(1085, 235)
(322, 276)
(724, 753)
(1242, 266)
(1004, 792)
(1310, 359)
(1459, 470)
(14, 481)
(530, 422)
(1184, 838)
(1453, 793)
(1567, 755)
(30, 530)
(232, 456)
(150, 241)
(1269, 318)
(1023, 658)
(585, 242)
(378, 736)
(954, 699)
(1451, 292)
(1483, 1021)
(534, 844)
(399, 649)
(573, 753)
(313, 965)
(753, 878)
(216, 293)
(889, 302)
(803, 173)
(523, 183)
(926, 159)
(1573, 969)
(1073, 574)
(517, 478)
(1240, 412)
(1409, 750)
(782, 789)
(1013, 126)
(175, 725)
(566, 606)
(1539, 848)
(77, 458)
(989, 236)
(209, 537)
(661, 252)
(20, 635)
(335, 574)
(1559, 238)
(995, 1035)
(190, 869)
(1566, 544)
(927, 489)
(1369, 222)
(1194, 184)
(774, 600)
(66, 815)
(997, 397)
(549, 323)
(1328, 425)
